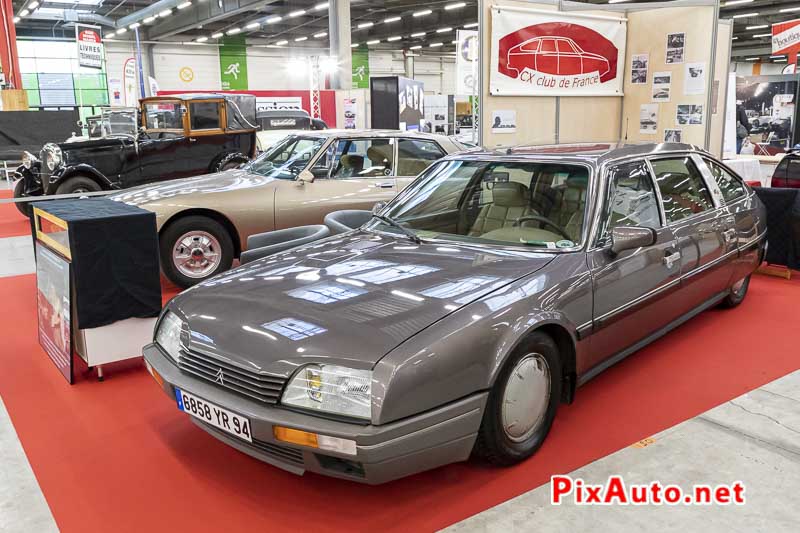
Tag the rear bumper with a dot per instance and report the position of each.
(383, 453)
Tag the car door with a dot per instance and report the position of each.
(700, 224)
(206, 136)
(635, 292)
(414, 156)
(162, 156)
(352, 173)
(741, 209)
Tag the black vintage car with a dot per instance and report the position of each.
(179, 136)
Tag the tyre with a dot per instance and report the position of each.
(737, 293)
(231, 161)
(19, 192)
(193, 249)
(522, 404)
(78, 184)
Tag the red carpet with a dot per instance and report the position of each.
(12, 223)
(118, 456)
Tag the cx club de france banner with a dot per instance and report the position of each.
(552, 53)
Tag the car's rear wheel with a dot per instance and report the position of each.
(737, 293)
(77, 185)
(19, 192)
(522, 404)
(231, 161)
(193, 249)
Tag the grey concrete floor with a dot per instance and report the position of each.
(754, 438)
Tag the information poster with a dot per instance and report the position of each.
(90, 46)
(694, 79)
(467, 57)
(350, 113)
(662, 81)
(504, 121)
(639, 69)
(648, 119)
(54, 308)
(676, 44)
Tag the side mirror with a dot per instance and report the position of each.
(377, 208)
(305, 177)
(631, 237)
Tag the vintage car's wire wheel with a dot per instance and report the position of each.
(526, 397)
(194, 248)
(197, 254)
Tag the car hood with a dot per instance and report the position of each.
(209, 183)
(94, 142)
(348, 300)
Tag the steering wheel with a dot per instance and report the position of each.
(544, 220)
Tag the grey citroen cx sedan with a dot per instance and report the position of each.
(456, 320)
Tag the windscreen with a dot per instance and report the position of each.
(288, 158)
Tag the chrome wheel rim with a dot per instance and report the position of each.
(196, 254)
(80, 190)
(526, 397)
(738, 286)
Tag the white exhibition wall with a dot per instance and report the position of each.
(267, 67)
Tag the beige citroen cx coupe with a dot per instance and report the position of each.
(204, 221)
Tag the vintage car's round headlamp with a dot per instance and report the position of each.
(28, 160)
(52, 156)
(331, 389)
(168, 335)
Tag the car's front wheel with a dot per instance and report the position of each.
(737, 293)
(19, 192)
(193, 249)
(77, 185)
(522, 404)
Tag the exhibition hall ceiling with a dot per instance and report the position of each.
(376, 24)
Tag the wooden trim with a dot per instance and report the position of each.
(44, 237)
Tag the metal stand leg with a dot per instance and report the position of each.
(100, 373)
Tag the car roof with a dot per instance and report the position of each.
(191, 96)
(594, 153)
(375, 133)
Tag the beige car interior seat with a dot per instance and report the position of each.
(511, 201)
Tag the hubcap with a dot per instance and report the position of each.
(526, 397)
(196, 254)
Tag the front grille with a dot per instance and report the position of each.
(281, 453)
(261, 387)
(44, 171)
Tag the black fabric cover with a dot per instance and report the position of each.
(115, 266)
(783, 225)
(30, 130)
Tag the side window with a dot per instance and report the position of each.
(683, 190)
(204, 115)
(414, 156)
(631, 198)
(793, 172)
(730, 185)
(363, 158)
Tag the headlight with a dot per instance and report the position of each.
(168, 335)
(53, 156)
(331, 389)
(28, 160)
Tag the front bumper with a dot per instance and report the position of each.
(383, 453)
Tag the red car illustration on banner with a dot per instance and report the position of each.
(559, 49)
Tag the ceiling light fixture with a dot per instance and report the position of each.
(184, 5)
(201, 39)
(393, 39)
(777, 57)
(761, 35)
(298, 13)
(148, 20)
(617, 1)
(234, 31)
(779, 61)
(273, 20)
(751, 59)
(436, 45)
(165, 13)
(418, 34)
(422, 13)
(759, 27)
(320, 35)
(734, 38)
(15, 20)
(457, 5)
(376, 41)
(737, 2)
(33, 5)
(217, 35)
(745, 15)
(120, 31)
(471, 25)
(301, 39)
(323, 5)
(281, 43)
(789, 10)
(134, 26)
(253, 25)
(24, 13)
(415, 47)
(354, 45)
(444, 30)
(365, 25)
(391, 19)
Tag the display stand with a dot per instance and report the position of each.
(397, 103)
(99, 290)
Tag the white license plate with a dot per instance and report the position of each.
(227, 421)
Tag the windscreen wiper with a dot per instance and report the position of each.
(392, 222)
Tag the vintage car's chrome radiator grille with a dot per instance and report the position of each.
(260, 387)
(44, 171)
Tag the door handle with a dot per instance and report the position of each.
(192, 140)
(670, 257)
(729, 235)
(384, 185)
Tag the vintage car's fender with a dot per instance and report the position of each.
(61, 174)
(32, 186)
(463, 353)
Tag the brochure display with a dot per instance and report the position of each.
(98, 284)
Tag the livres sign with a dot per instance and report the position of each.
(90, 46)
(550, 53)
(786, 37)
